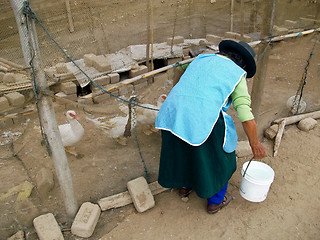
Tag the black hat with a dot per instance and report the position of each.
(245, 50)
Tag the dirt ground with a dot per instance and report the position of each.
(291, 210)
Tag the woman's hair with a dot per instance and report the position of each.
(235, 57)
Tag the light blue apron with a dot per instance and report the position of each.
(194, 104)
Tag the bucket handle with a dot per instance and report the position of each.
(247, 167)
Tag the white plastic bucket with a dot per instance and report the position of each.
(255, 185)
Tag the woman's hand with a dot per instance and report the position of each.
(250, 129)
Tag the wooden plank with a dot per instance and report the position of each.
(70, 20)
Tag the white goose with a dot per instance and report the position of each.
(71, 133)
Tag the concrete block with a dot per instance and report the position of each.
(61, 68)
(232, 35)
(307, 22)
(307, 124)
(141, 195)
(126, 89)
(4, 104)
(44, 181)
(271, 132)
(214, 39)
(141, 69)
(15, 99)
(86, 220)
(101, 98)
(18, 236)
(115, 201)
(8, 78)
(176, 40)
(101, 64)
(279, 30)
(88, 59)
(246, 38)
(72, 97)
(47, 227)
(102, 81)
(291, 24)
(49, 72)
(114, 77)
(85, 101)
(243, 149)
(68, 88)
(173, 60)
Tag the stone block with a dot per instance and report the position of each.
(232, 35)
(126, 89)
(68, 88)
(102, 81)
(44, 181)
(307, 124)
(101, 98)
(15, 99)
(291, 24)
(243, 149)
(114, 77)
(185, 51)
(141, 195)
(18, 236)
(246, 38)
(47, 227)
(306, 22)
(101, 64)
(4, 104)
(279, 30)
(61, 68)
(271, 132)
(49, 72)
(85, 101)
(173, 60)
(88, 59)
(141, 69)
(9, 78)
(86, 220)
(214, 39)
(72, 97)
(176, 40)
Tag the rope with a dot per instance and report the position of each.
(134, 119)
(303, 80)
(28, 12)
(264, 51)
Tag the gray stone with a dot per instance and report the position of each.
(18, 236)
(307, 124)
(86, 220)
(141, 194)
(114, 77)
(4, 104)
(15, 99)
(213, 39)
(68, 88)
(271, 132)
(243, 149)
(44, 181)
(47, 227)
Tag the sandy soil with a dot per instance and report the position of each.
(291, 210)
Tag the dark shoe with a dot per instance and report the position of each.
(213, 208)
(184, 192)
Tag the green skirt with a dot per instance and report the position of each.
(205, 168)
